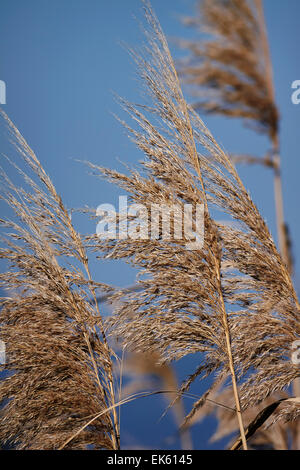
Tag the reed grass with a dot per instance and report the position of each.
(232, 302)
(58, 358)
(231, 74)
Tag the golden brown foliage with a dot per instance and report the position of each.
(230, 70)
(232, 73)
(58, 362)
(232, 301)
(278, 429)
(233, 297)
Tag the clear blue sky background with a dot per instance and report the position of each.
(61, 61)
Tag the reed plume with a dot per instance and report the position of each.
(58, 362)
(231, 73)
(146, 372)
(273, 423)
(233, 300)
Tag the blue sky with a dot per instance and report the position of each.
(62, 60)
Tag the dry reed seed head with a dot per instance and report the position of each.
(148, 372)
(229, 72)
(274, 433)
(187, 297)
(181, 308)
(58, 361)
(279, 431)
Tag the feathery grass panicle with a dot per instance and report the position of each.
(266, 421)
(58, 362)
(233, 300)
(232, 74)
(146, 372)
(229, 71)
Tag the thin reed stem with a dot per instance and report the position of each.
(278, 194)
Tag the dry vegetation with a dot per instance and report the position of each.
(231, 74)
(57, 352)
(232, 301)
